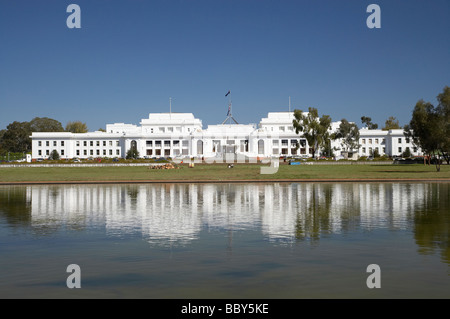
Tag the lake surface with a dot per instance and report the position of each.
(252, 240)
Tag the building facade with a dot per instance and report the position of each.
(179, 135)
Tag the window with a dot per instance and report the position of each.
(376, 141)
(98, 143)
(162, 129)
(407, 140)
(91, 143)
(104, 152)
(110, 152)
(399, 139)
(364, 150)
(158, 143)
(166, 143)
(170, 129)
(47, 143)
(370, 141)
(84, 143)
(149, 143)
(62, 152)
(117, 152)
(39, 143)
(281, 128)
(104, 143)
(185, 143)
(91, 152)
(399, 149)
(84, 152)
(117, 143)
(54, 143)
(110, 144)
(77, 143)
(176, 143)
(275, 142)
(364, 141)
(39, 152)
(47, 152)
(78, 152)
(98, 152)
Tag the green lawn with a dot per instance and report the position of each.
(220, 172)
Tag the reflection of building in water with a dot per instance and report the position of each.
(176, 213)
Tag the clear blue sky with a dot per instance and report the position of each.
(129, 57)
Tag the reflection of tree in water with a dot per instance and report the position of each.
(15, 207)
(313, 219)
(432, 221)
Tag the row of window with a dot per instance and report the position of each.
(400, 149)
(85, 143)
(376, 140)
(47, 143)
(97, 152)
(47, 152)
(167, 143)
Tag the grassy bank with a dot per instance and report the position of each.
(220, 172)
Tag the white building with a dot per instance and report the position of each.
(182, 135)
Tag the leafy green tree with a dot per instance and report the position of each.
(315, 130)
(443, 110)
(2, 132)
(54, 155)
(368, 122)
(391, 124)
(16, 137)
(429, 127)
(45, 124)
(76, 127)
(348, 133)
(132, 153)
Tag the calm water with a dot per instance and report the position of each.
(286, 240)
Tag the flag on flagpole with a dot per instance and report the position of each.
(228, 93)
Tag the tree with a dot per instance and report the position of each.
(45, 124)
(429, 127)
(314, 129)
(76, 127)
(443, 110)
(16, 138)
(368, 121)
(348, 133)
(54, 155)
(2, 132)
(391, 124)
(132, 153)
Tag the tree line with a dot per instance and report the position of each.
(16, 137)
(429, 129)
